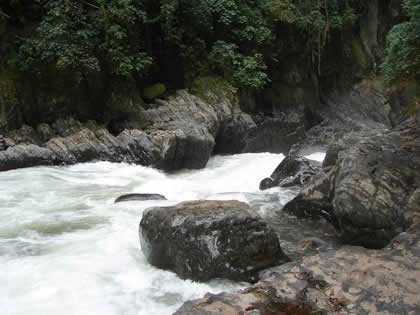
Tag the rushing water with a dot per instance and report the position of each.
(66, 248)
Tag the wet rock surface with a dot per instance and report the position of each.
(139, 197)
(202, 240)
(351, 280)
(371, 189)
(292, 171)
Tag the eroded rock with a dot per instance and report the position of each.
(202, 240)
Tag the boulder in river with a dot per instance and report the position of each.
(202, 240)
(292, 171)
(139, 197)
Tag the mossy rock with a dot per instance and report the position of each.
(125, 98)
(359, 54)
(154, 91)
(125, 103)
(211, 88)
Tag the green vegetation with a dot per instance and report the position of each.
(127, 38)
(402, 55)
(153, 91)
(316, 19)
(74, 55)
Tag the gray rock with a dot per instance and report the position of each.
(352, 280)
(186, 127)
(132, 146)
(202, 240)
(275, 134)
(139, 197)
(369, 192)
(292, 171)
(235, 134)
(45, 132)
(360, 108)
(315, 199)
(2, 143)
(26, 156)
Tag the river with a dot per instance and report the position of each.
(66, 248)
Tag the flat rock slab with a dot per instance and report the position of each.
(352, 280)
(202, 240)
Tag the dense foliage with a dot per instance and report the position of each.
(316, 19)
(402, 55)
(136, 39)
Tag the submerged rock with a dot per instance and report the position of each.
(352, 280)
(202, 240)
(139, 197)
(292, 171)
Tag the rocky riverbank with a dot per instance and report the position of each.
(352, 280)
(178, 132)
(185, 129)
(369, 189)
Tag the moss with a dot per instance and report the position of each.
(125, 102)
(154, 91)
(212, 88)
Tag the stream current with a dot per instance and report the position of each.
(66, 248)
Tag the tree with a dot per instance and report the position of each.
(402, 54)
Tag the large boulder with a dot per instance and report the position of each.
(372, 187)
(352, 280)
(292, 171)
(235, 133)
(187, 128)
(202, 240)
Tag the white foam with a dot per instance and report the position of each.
(66, 248)
(317, 156)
